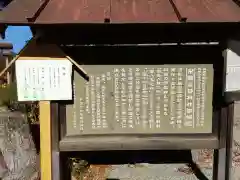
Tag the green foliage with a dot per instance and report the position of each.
(8, 98)
(8, 93)
(79, 168)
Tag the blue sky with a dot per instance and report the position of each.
(18, 35)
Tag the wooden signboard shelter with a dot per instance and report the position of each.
(108, 40)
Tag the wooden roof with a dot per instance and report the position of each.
(120, 11)
(5, 45)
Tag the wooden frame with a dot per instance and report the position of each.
(134, 142)
(222, 155)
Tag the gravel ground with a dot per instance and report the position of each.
(152, 172)
(159, 171)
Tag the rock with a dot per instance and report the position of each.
(17, 147)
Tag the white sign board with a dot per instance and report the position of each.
(233, 66)
(39, 80)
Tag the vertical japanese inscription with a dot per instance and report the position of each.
(189, 106)
(74, 118)
(145, 101)
(165, 91)
(198, 96)
(123, 99)
(103, 101)
(203, 95)
(93, 102)
(151, 114)
(142, 99)
(116, 93)
(179, 97)
(137, 95)
(130, 97)
(173, 81)
(158, 94)
(98, 97)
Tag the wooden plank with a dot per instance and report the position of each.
(45, 140)
(88, 143)
(75, 11)
(208, 11)
(19, 11)
(220, 154)
(223, 160)
(142, 11)
(55, 142)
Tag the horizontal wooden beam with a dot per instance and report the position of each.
(137, 142)
(137, 33)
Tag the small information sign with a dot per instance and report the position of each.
(39, 80)
(233, 71)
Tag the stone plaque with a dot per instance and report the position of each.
(141, 99)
